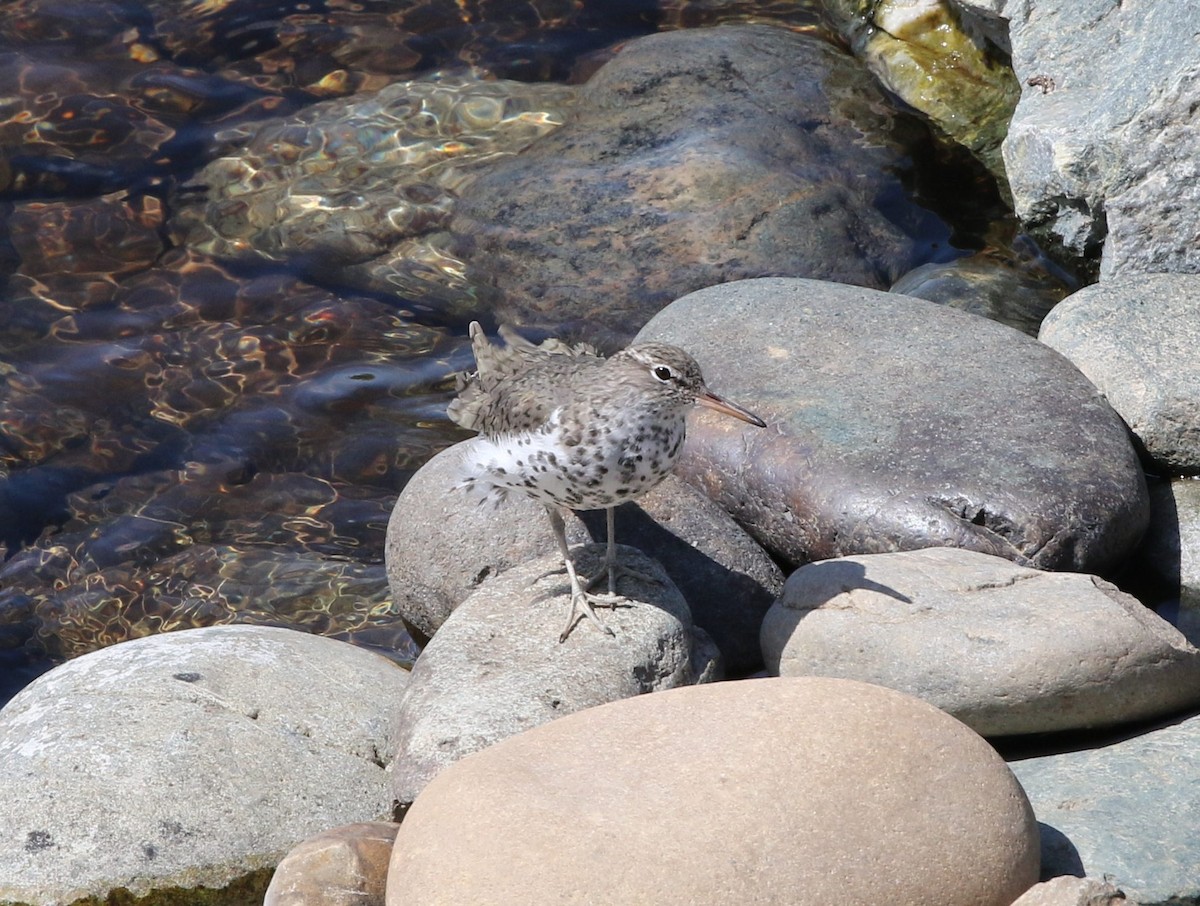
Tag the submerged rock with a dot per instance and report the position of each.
(697, 157)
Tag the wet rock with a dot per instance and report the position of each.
(697, 157)
(1101, 150)
(189, 762)
(1126, 809)
(1005, 649)
(896, 424)
(1013, 286)
(497, 667)
(957, 76)
(441, 546)
(763, 787)
(1135, 338)
(359, 190)
(346, 866)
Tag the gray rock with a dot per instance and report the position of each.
(754, 792)
(441, 546)
(189, 762)
(697, 157)
(897, 424)
(1005, 649)
(1136, 339)
(496, 667)
(1067, 890)
(1165, 569)
(1103, 143)
(1128, 809)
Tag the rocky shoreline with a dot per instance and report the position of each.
(950, 534)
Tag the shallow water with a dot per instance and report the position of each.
(185, 439)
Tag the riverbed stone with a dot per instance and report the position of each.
(1068, 890)
(344, 866)
(1136, 337)
(1165, 569)
(497, 667)
(696, 157)
(898, 424)
(747, 791)
(1128, 809)
(441, 546)
(1005, 649)
(190, 762)
(1101, 149)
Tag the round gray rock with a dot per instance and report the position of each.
(1136, 339)
(1128, 809)
(441, 546)
(772, 791)
(1005, 649)
(496, 667)
(695, 157)
(191, 761)
(897, 424)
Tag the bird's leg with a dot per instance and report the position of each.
(579, 597)
(611, 566)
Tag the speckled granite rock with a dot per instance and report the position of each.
(189, 762)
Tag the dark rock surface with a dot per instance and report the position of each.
(897, 424)
(693, 158)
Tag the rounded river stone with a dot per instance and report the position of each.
(897, 424)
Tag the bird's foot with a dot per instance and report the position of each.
(581, 606)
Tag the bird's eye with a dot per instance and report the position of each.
(662, 372)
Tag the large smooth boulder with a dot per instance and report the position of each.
(1136, 339)
(696, 157)
(1165, 569)
(441, 546)
(756, 792)
(497, 667)
(189, 762)
(1004, 648)
(897, 424)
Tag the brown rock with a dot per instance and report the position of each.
(755, 792)
(345, 866)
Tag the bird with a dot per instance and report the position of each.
(564, 426)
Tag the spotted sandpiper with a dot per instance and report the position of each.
(566, 427)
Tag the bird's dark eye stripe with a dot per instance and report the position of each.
(662, 372)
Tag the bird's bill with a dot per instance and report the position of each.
(714, 402)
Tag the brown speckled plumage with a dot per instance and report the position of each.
(568, 428)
